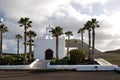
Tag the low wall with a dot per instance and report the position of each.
(118, 69)
(18, 66)
(61, 66)
(97, 68)
(102, 66)
(32, 64)
(83, 67)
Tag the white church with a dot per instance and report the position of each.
(45, 47)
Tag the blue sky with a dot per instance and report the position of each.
(69, 14)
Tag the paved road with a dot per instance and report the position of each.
(61, 75)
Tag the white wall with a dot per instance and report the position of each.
(85, 67)
(19, 66)
(41, 45)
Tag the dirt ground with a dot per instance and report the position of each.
(60, 75)
(113, 58)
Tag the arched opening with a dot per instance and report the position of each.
(48, 54)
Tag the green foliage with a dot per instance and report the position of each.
(57, 31)
(53, 61)
(14, 59)
(33, 59)
(63, 61)
(77, 56)
(9, 59)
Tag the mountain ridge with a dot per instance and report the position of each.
(113, 51)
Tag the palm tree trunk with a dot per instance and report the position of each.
(57, 47)
(68, 42)
(67, 46)
(1, 55)
(89, 55)
(93, 42)
(25, 45)
(30, 49)
(82, 39)
(18, 47)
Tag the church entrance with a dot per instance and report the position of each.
(48, 54)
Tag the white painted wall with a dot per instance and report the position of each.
(19, 66)
(84, 67)
(41, 45)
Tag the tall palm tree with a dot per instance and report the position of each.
(87, 26)
(26, 22)
(75, 41)
(3, 29)
(56, 32)
(94, 25)
(18, 37)
(68, 34)
(31, 34)
(81, 30)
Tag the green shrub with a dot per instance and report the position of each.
(63, 61)
(9, 59)
(53, 61)
(14, 60)
(77, 56)
(33, 59)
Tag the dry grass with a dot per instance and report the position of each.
(113, 58)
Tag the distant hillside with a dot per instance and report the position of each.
(77, 43)
(9, 53)
(113, 51)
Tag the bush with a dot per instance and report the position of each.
(63, 61)
(77, 56)
(53, 61)
(9, 59)
(14, 60)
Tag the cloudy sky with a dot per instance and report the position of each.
(69, 14)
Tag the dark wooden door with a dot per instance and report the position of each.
(48, 54)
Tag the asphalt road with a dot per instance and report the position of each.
(60, 75)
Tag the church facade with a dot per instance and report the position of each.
(45, 47)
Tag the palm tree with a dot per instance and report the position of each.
(31, 34)
(75, 41)
(94, 25)
(18, 37)
(3, 29)
(26, 22)
(87, 26)
(56, 32)
(81, 30)
(68, 34)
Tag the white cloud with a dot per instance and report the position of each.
(85, 2)
(114, 20)
(63, 13)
